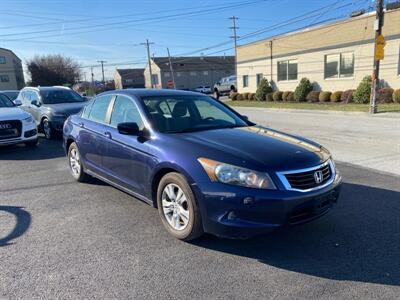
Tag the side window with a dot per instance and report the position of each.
(34, 96)
(26, 97)
(125, 110)
(99, 109)
(86, 110)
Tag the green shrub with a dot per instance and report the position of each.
(234, 96)
(285, 95)
(396, 96)
(313, 96)
(270, 97)
(335, 97)
(363, 91)
(325, 96)
(302, 90)
(347, 96)
(277, 96)
(290, 97)
(385, 95)
(262, 90)
(239, 97)
(245, 96)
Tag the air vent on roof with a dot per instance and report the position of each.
(393, 5)
(357, 13)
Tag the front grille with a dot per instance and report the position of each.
(306, 180)
(10, 129)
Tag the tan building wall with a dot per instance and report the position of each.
(11, 73)
(310, 47)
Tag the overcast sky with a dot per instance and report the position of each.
(112, 30)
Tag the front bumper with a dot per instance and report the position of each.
(28, 133)
(243, 212)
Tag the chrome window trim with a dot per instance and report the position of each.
(286, 184)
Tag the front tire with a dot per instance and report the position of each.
(216, 94)
(178, 208)
(75, 164)
(47, 129)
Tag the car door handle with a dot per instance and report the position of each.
(81, 125)
(107, 134)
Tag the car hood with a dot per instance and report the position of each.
(66, 109)
(12, 113)
(255, 145)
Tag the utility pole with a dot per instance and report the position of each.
(171, 68)
(147, 44)
(378, 55)
(102, 71)
(234, 37)
(92, 74)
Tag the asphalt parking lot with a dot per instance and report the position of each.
(61, 239)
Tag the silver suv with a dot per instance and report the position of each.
(225, 86)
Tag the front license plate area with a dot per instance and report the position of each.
(322, 203)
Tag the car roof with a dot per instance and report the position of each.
(151, 92)
(9, 91)
(48, 88)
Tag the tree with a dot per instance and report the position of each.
(53, 70)
(263, 89)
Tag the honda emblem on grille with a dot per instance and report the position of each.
(5, 126)
(318, 176)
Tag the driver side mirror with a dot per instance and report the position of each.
(35, 102)
(17, 102)
(246, 118)
(128, 128)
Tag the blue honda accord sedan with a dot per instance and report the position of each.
(205, 167)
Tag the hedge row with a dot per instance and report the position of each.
(304, 93)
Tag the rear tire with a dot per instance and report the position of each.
(178, 208)
(75, 164)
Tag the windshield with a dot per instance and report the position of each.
(60, 96)
(5, 102)
(172, 114)
(11, 95)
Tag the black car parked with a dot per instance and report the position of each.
(51, 106)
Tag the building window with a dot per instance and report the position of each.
(245, 81)
(2, 60)
(4, 78)
(178, 74)
(205, 73)
(339, 65)
(287, 70)
(154, 79)
(193, 73)
(167, 74)
(259, 77)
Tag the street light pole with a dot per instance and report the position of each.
(147, 44)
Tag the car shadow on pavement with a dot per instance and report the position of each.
(359, 240)
(23, 221)
(46, 149)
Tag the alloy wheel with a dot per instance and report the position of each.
(175, 207)
(74, 162)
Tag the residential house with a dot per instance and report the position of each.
(188, 72)
(129, 78)
(11, 73)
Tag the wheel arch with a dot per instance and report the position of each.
(160, 172)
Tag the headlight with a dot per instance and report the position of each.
(229, 174)
(29, 120)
